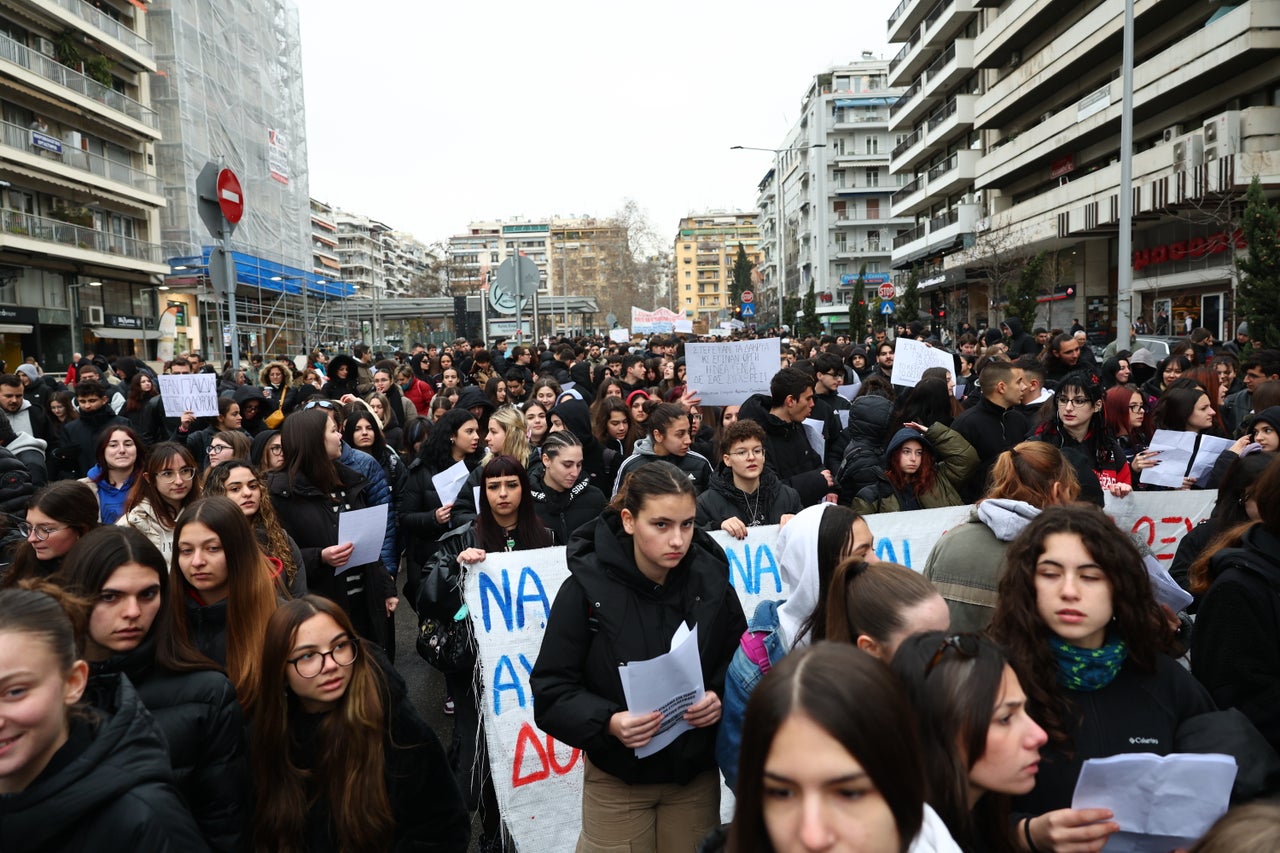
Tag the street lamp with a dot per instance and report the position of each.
(780, 231)
(305, 318)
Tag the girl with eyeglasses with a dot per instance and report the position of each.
(168, 484)
(75, 776)
(1078, 618)
(1125, 412)
(341, 760)
(744, 492)
(980, 745)
(1074, 422)
(130, 632)
(228, 419)
(830, 762)
(120, 457)
(266, 453)
(58, 515)
(225, 446)
(238, 481)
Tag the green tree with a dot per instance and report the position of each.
(1022, 292)
(858, 307)
(1259, 292)
(742, 267)
(790, 308)
(908, 307)
(809, 324)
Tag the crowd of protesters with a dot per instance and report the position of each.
(189, 660)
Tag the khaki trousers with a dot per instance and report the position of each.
(622, 818)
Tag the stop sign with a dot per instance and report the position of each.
(748, 297)
(230, 197)
(886, 291)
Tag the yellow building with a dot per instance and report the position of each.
(705, 250)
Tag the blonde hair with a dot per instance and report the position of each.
(516, 443)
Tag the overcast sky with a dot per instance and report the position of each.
(429, 115)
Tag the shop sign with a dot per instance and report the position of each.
(871, 278)
(123, 321)
(1062, 166)
(1196, 247)
(14, 314)
(45, 141)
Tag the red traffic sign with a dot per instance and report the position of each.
(230, 196)
(886, 291)
(748, 297)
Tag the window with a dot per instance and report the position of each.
(873, 177)
(841, 269)
(873, 241)
(873, 145)
(842, 242)
(873, 208)
(839, 209)
(837, 177)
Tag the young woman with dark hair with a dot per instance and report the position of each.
(668, 437)
(877, 606)
(506, 522)
(611, 425)
(130, 633)
(75, 777)
(239, 481)
(227, 587)
(423, 517)
(1124, 414)
(562, 494)
(637, 573)
(535, 415)
(141, 389)
(1075, 422)
(1078, 618)
(980, 745)
(1167, 371)
(744, 493)
(925, 468)
(228, 419)
(363, 431)
(57, 517)
(308, 496)
(120, 456)
(225, 445)
(547, 392)
(830, 762)
(930, 401)
(167, 484)
(341, 760)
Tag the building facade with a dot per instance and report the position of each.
(1010, 132)
(705, 250)
(833, 172)
(80, 257)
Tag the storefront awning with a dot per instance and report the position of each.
(126, 334)
(15, 329)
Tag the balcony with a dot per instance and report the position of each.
(950, 68)
(20, 228)
(908, 237)
(946, 20)
(951, 120)
(939, 235)
(907, 17)
(90, 91)
(1017, 25)
(144, 53)
(953, 175)
(911, 59)
(912, 106)
(18, 137)
(910, 197)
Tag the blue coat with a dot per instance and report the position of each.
(741, 679)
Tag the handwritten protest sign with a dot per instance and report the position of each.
(195, 392)
(620, 336)
(726, 374)
(912, 358)
(538, 780)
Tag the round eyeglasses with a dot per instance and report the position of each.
(311, 664)
(42, 532)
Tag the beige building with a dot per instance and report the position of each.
(80, 258)
(1009, 142)
(705, 249)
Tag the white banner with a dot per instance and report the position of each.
(538, 780)
(190, 392)
(657, 320)
(726, 374)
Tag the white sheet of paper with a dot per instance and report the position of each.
(670, 683)
(726, 374)
(367, 528)
(449, 482)
(912, 358)
(850, 391)
(620, 336)
(190, 392)
(684, 326)
(843, 415)
(475, 496)
(813, 430)
(1180, 457)
(1166, 589)
(1176, 796)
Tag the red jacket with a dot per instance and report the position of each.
(420, 394)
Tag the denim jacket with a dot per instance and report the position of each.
(741, 679)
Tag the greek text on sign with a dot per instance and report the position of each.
(196, 393)
(912, 358)
(726, 374)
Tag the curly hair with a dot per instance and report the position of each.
(1018, 626)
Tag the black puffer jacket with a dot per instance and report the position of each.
(599, 463)
(335, 388)
(202, 725)
(991, 430)
(723, 500)
(787, 451)
(575, 682)
(1020, 343)
(865, 437)
(565, 512)
(107, 789)
(257, 423)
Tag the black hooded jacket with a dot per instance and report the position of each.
(606, 613)
(865, 437)
(1020, 343)
(787, 451)
(565, 512)
(335, 388)
(599, 463)
(202, 725)
(723, 500)
(258, 423)
(108, 789)
(992, 430)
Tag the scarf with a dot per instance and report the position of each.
(1088, 670)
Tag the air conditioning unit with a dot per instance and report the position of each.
(95, 315)
(72, 138)
(1222, 135)
(1188, 152)
(1171, 133)
(45, 46)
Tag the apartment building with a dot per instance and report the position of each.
(1010, 132)
(705, 250)
(833, 172)
(80, 260)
